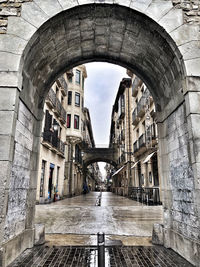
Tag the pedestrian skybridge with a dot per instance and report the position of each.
(109, 155)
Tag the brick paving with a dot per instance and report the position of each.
(43, 256)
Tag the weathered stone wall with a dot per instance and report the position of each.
(180, 208)
(191, 10)
(9, 8)
(23, 176)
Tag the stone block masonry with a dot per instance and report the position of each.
(9, 8)
(191, 10)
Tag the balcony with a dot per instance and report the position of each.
(51, 99)
(63, 86)
(135, 86)
(122, 135)
(61, 147)
(122, 113)
(141, 106)
(51, 141)
(142, 141)
(47, 139)
(63, 115)
(135, 146)
(135, 118)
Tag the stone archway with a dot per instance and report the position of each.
(148, 37)
(92, 155)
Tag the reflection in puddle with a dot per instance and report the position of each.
(92, 260)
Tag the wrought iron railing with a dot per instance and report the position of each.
(64, 86)
(147, 195)
(141, 104)
(134, 115)
(135, 86)
(142, 140)
(52, 97)
(63, 114)
(54, 141)
(135, 146)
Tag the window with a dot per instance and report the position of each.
(69, 98)
(150, 177)
(78, 76)
(77, 99)
(68, 120)
(70, 79)
(76, 122)
(42, 178)
(142, 178)
(48, 121)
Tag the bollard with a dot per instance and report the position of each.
(101, 249)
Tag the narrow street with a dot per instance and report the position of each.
(118, 216)
(72, 224)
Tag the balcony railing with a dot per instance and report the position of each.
(135, 118)
(153, 131)
(142, 141)
(63, 115)
(51, 99)
(52, 141)
(135, 86)
(53, 102)
(58, 107)
(141, 106)
(122, 135)
(135, 146)
(148, 195)
(122, 113)
(63, 85)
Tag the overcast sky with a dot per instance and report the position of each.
(101, 88)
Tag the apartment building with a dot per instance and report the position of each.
(66, 127)
(52, 149)
(78, 134)
(134, 133)
(121, 136)
(145, 143)
(92, 176)
(74, 134)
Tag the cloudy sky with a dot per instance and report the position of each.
(100, 91)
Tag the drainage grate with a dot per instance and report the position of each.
(44, 256)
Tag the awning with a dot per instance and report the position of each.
(118, 170)
(148, 157)
(134, 164)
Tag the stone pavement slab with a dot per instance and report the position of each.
(117, 216)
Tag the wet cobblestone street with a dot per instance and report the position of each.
(71, 241)
(87, 257)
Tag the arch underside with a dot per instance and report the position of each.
(108, 33)
(100, 159)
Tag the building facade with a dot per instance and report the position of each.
(73, 183)
(66, 129)
(52, 149)
(134, 133)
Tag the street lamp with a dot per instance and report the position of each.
(56, 126)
